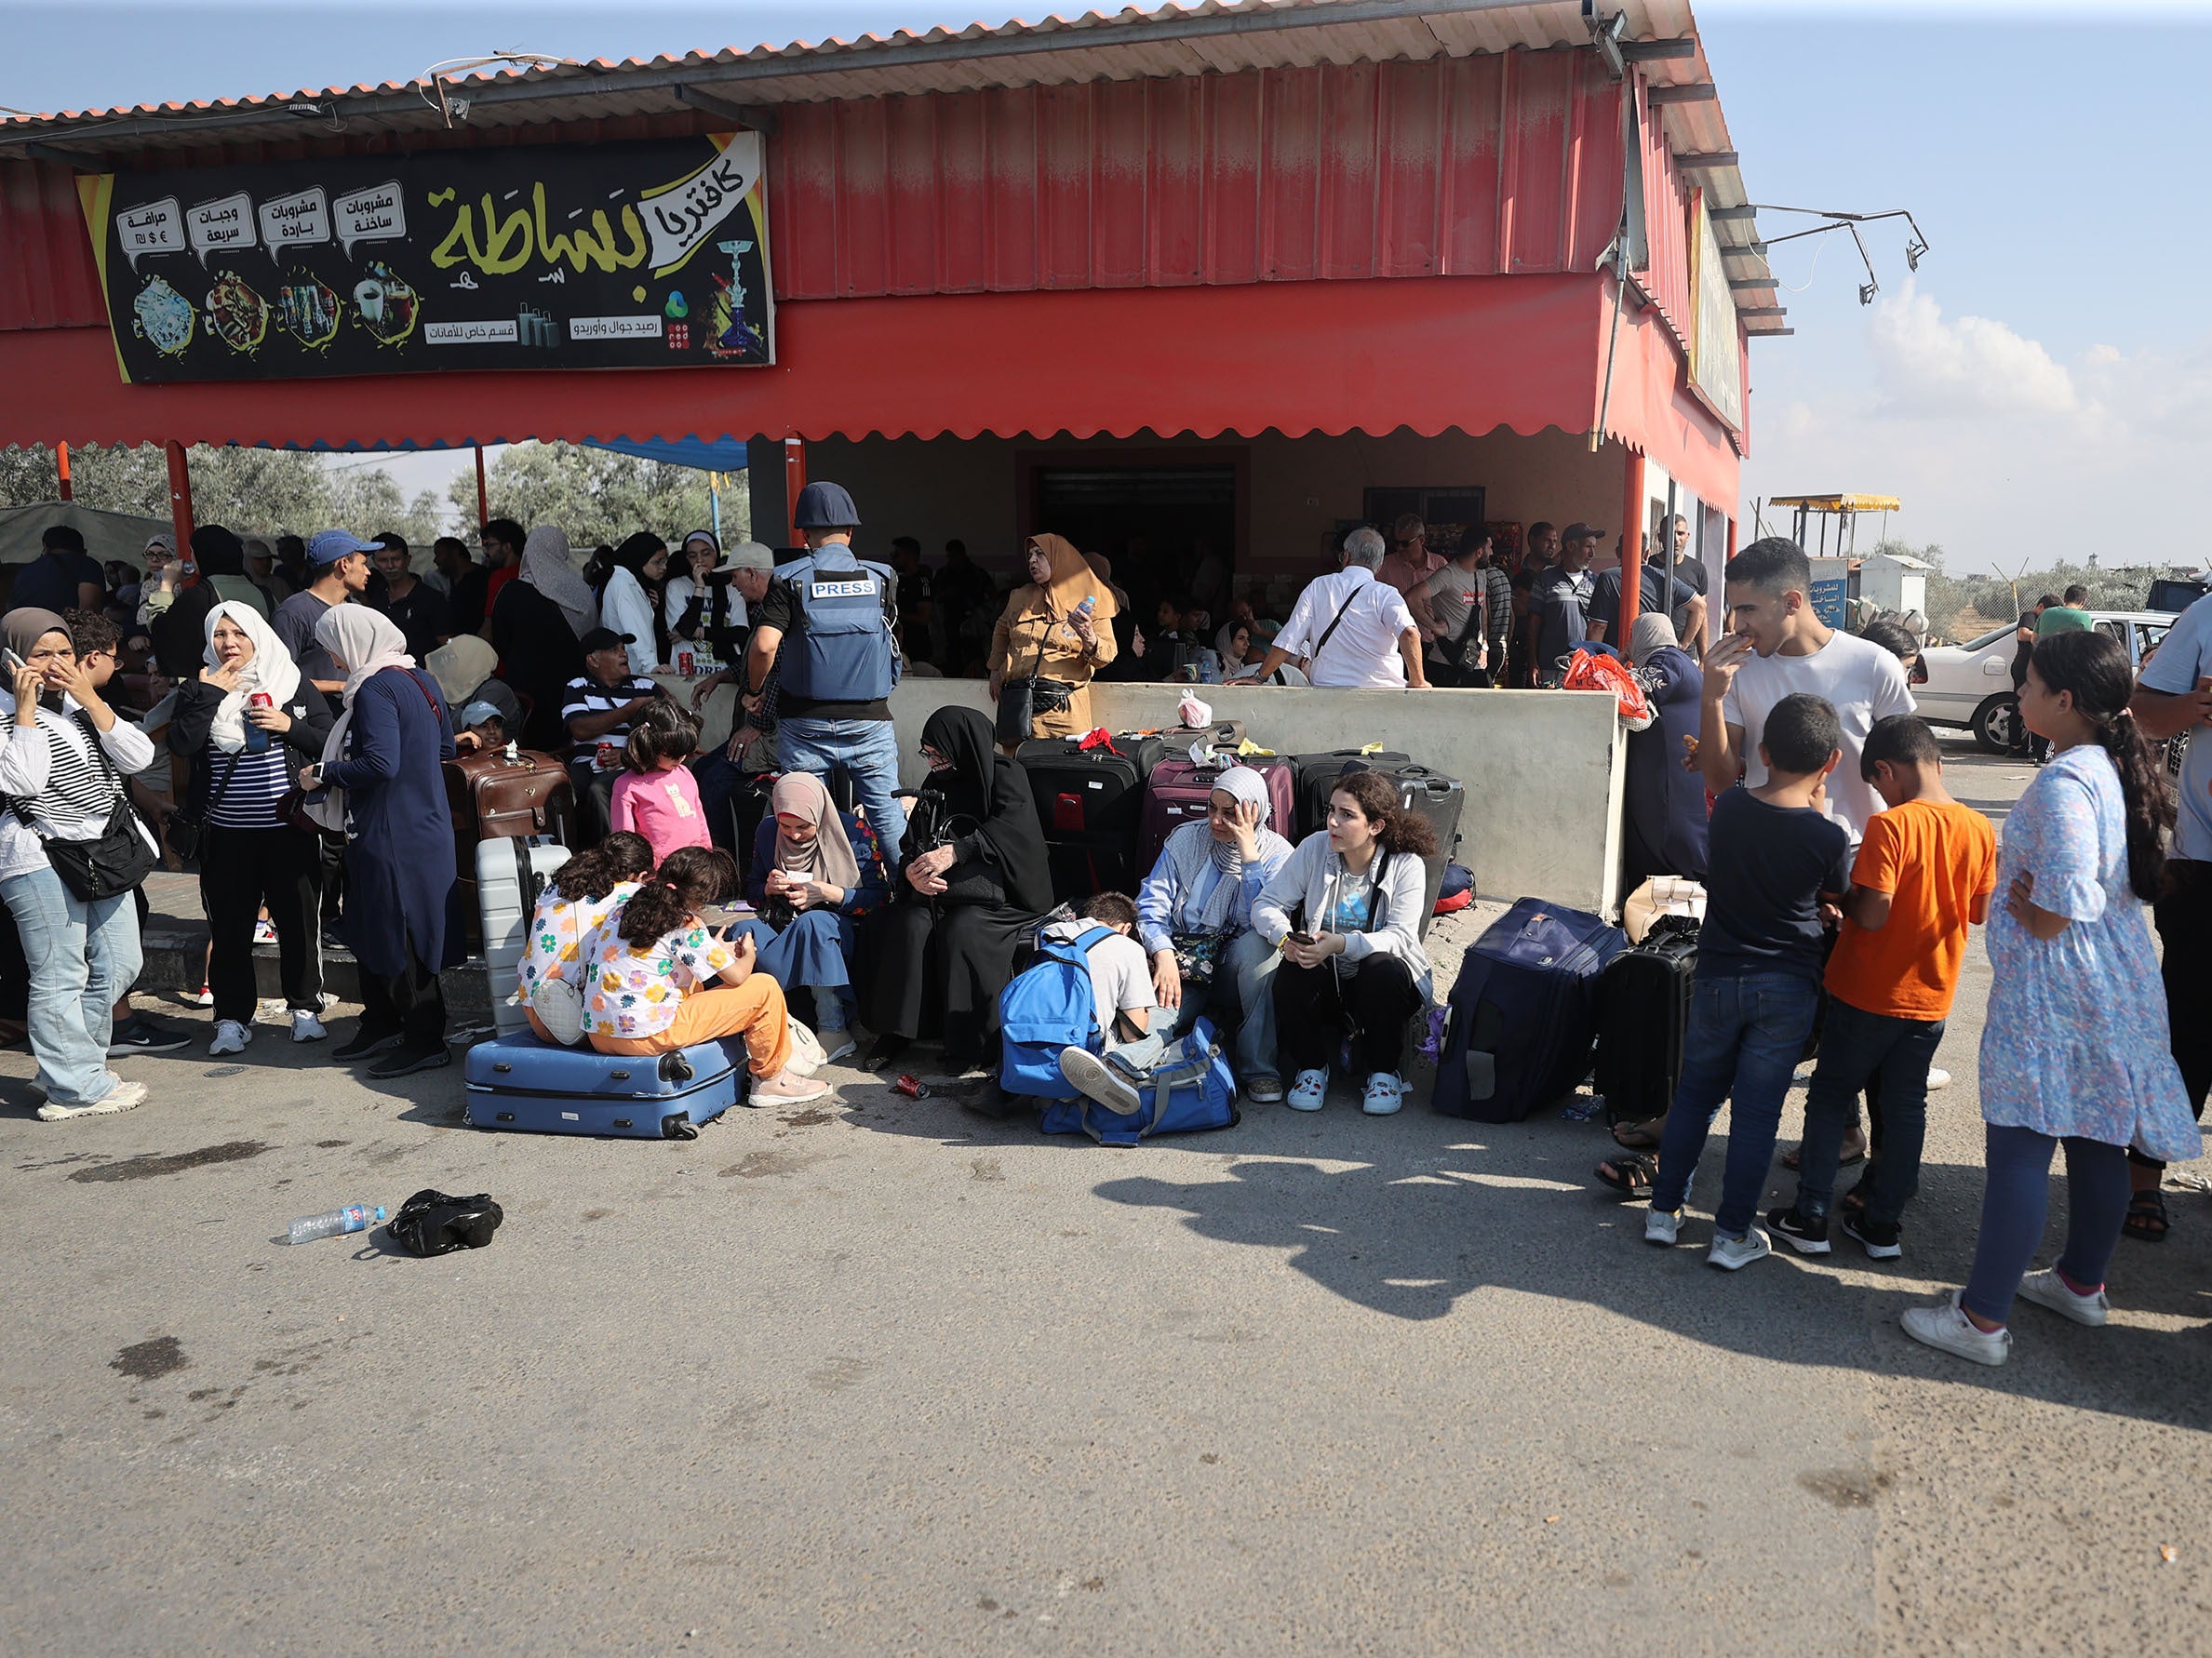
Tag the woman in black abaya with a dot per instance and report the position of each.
(972, 882)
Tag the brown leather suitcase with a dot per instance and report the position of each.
(492, 797)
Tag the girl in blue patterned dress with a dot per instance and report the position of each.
(2075, 1050)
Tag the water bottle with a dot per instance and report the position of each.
(353, 1217)
(257, 739)
(1089, 604)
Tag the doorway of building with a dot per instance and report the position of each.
(1169, 529)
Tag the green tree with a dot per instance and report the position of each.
(598, 496)
(370, 502)
(111, 479)
(262, 492)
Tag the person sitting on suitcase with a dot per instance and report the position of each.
(650, 979)
(1194, 919)
(656, 795)
(583, 893)
(1775, 854)
(1353, 969)
(815, 873)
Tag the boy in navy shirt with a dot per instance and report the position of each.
(1775, 853)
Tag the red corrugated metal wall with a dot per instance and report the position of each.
(1497, 165)
(1668, 193)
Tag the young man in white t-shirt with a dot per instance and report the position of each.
(1775, 647)
(1121, 983)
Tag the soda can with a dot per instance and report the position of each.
(260, 700)
(609, 756)
(913, 1087)
(687, 661)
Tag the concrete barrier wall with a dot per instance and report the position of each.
(1544, 769)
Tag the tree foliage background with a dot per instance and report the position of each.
(1964, 605)
(599, 495)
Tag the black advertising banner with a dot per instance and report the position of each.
(642, 255)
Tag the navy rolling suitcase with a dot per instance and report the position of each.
(1087, 802)
(1524, 1013)
(521, 1083)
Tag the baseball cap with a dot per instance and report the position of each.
(1581, 532)
(748, 555)
(825, 506)
(475, 714)
(599, 638)
(327, 546)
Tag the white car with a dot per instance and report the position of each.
(1970, 685)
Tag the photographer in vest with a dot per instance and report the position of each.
(834, 684)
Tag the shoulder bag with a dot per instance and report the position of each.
(1021, 700)
(188, 829)
(114, 862)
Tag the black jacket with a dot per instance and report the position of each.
(194, 714)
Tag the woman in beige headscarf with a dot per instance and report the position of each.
(1047, 633)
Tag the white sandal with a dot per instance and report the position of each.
(1308, 1089)
(1386, 1093)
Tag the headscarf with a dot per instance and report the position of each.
(367, 642)
(168, 543)
(707, 536)
(1073, 580)
(459, 666)
(984, 784)
(217, 552)
(1103, 568)
(546, 566)
(270, 669)
(828, 857)
(1653, 632)
(1191, 849)
(25, 627)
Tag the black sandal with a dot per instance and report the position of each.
(2147, 1220)
(1629, 1178)
(1642, 1136)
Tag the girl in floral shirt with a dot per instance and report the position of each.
(584, 893)
(651, 969)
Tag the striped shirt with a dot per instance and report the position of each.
(251, 787)
(49, 767)
(586, 695)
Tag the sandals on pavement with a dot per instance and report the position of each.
(1629, 1178)
(2147, 1220)
(1638, 1136)
(1848, 1160)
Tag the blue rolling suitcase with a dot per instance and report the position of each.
(520, 1082)
(1524, 1013)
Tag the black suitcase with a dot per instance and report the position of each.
(1643, 1015)
(1088, 803)
(1437, 800)
(1317, 776)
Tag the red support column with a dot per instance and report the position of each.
(180, 496)
(1632, 547)
(795, 479)
(62, 463)
(1732, 537)
(483, 504)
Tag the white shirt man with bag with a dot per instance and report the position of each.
(1353, 632)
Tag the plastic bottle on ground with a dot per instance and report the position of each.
(353, 1217)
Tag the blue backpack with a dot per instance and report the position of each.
(1187, 1089)
(1048, 1006)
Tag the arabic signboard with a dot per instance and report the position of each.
(608, 256)
(1716, 359)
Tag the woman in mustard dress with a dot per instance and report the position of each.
(1046, 632)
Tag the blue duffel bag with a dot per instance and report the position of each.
(1524, 1013)
(1188, 1088)
(1046, 1006)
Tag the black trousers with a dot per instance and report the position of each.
(2184, 920)
(240, 870)
(595, 802)
(1311, 1015)
(409, 1001)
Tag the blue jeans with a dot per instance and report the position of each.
(82, 956)
(1857, 1049)
(810, 954)
(1244, 989)
(868, 750)
(2016, 1200)
(1743, 1043)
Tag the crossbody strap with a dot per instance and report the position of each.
(1328, 632)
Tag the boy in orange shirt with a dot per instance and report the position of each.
(1925, 873)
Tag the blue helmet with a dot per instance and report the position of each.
(825, 506)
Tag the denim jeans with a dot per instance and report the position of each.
(1244, 989)
(1891, 1056)
(1743, 1043)
(82, 956)
(868, 750)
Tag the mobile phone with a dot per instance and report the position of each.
(11, 661)
(1301, 937)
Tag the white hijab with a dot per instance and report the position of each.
(548, 566)
(367, 642)
(270, 670)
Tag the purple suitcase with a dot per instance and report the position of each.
(1176, 791)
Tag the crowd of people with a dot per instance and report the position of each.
(1783, 766)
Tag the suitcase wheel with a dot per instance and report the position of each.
(678, 1126)
(675, 1068)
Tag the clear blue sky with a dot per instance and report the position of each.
(2045, 383)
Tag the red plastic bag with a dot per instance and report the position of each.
(1593, 670)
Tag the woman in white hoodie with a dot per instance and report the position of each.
(626, 599)
(1346, 911)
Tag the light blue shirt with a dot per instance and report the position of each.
(2182, 660)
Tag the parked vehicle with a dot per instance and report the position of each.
(1970, 685)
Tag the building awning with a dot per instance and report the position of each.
(1471, 354)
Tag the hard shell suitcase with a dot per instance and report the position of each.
(1317, 775)
(1089, 801)
(1524, 1013)
(1643, 1015)
(518, 1082)
(510, 876)
(1176, 793)
(1438, 801)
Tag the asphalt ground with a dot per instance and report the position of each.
(882, 1375)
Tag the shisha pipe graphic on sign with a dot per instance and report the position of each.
(728, 335)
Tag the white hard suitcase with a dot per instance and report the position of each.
(511, 873)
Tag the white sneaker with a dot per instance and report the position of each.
(124, 1096)
(1938, 1077)
(1662, 1226)
(1386, 1093)
(1733, 1255)
(264, 932)
(203, 997)
(836, 1044)
(2047, 1288)
(1094, 1080)
(230, 1037)
(306, 1027)
(1308, 1089)
(1947, 1328)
